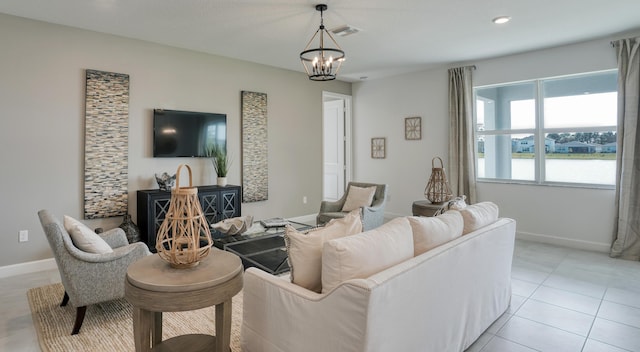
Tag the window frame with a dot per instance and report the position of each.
(539, 132)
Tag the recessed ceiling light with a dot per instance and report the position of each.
(501, 19)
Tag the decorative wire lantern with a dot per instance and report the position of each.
(437, 190)
(322, 63)
(184, 237)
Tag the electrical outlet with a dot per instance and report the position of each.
(24, 235)
(304, 200)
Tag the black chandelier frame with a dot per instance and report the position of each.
(322, 63)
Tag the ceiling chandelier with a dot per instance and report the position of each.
(322, 63)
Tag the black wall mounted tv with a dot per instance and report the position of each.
(186, 133)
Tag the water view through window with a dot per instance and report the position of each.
(560, 130)
(578, 171)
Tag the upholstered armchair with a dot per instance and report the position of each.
(90, 278)
(372, 216)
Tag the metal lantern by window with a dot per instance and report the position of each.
(184, 237)
(437, 190)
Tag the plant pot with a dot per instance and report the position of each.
(222, 181)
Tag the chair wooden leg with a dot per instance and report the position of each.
(79, 319)
(65, 299)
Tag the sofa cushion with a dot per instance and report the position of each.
(364, 254)
(430, 232)
(84, 238)
(305, 249)
(478, 215)
(358, 197)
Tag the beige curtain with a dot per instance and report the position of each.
(627, 233)
(462, 166)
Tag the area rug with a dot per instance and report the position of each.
(109, 327)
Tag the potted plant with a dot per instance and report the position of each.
(221, 162)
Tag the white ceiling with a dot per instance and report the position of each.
(396, 36)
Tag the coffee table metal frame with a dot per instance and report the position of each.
(265, 250)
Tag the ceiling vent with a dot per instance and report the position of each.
(345, 30)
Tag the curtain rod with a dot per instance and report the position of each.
(470, 66)
(614, 42)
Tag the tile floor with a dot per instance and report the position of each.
(567, 300)
(17, 333)
(564, 300)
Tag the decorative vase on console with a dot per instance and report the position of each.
(130, 229)
(220, 161)
(165, 181)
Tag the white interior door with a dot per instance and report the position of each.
(333, 149)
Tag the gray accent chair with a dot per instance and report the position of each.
(372, 216)
(90, 278)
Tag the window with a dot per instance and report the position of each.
(574, 118)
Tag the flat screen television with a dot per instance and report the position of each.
(187, 133)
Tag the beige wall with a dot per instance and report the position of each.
(380, 107)
(578, 217)
(42, 115)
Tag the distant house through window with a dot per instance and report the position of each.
(574, 117)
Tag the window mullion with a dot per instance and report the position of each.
(539, 135)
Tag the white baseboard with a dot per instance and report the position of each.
(390, 216)
(564, 242)
(28, 267)
(48, 264)
(305, 219)
(527, 236)
(311, 218)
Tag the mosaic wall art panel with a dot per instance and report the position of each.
(255, 180)
(106, 144)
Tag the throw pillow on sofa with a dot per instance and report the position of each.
(84, 238)
(478, 215)
(305, 249)
(430, 232)
(358, 197)
(364, 254)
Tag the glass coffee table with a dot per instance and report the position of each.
(265, 249)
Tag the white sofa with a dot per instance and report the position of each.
(441, 300)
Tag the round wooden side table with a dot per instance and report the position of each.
(425, 208)
(153, 287)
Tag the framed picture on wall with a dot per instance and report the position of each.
(378, 147)
(413, 128)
